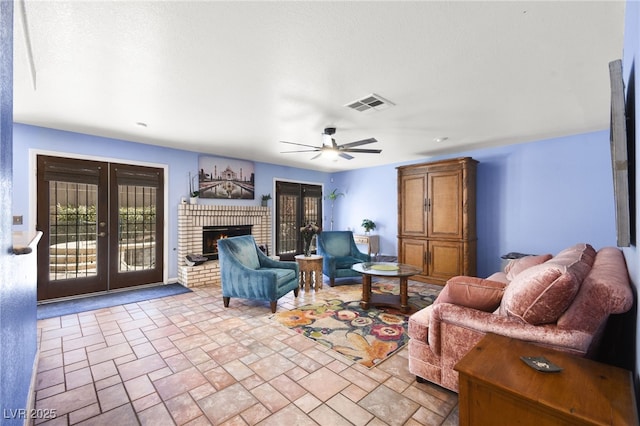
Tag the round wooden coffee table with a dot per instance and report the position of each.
(385, 269)
(310, 268)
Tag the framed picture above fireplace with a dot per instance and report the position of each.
(221, 177)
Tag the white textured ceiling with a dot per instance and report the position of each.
(235, 78)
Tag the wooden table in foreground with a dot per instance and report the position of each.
(310, 269)
(385, 269)
(498, 388)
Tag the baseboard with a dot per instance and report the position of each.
(31, 396)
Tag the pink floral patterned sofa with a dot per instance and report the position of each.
(561, 302)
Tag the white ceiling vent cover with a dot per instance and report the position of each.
(370, 103)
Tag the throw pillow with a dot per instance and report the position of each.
(472, 292)
(540, 294)
(516, 266)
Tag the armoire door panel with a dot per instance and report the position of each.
(445, 216)
(445, 259)
(414, 253)
(412, 218)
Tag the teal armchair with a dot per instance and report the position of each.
(339, 252)
(248, 273)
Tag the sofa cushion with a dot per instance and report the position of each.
(604, 291)
(499, 276)
(245, 250)
(515, 266)
(346, 262)
(581, 251)
(338, 243)
(283, 276)
(472, 292)
(540, 294)
(579, 257)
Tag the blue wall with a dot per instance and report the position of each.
(31, 139)
(536, 197)
(533, 197)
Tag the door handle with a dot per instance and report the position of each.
(102, 234)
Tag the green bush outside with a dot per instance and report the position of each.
(78, 223)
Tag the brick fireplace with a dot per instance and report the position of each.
(192, 218)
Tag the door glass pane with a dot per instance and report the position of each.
(311, 214)
(72, 230)
(288, 229)
(136, 227)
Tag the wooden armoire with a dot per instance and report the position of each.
(437, 218)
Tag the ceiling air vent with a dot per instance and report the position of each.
(370, 103)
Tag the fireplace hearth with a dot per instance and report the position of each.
(211, 235)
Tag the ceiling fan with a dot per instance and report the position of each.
(330, 148)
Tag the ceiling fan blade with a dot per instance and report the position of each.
(347, 156)
(299, 144)
(300, 150)
(329, 145)
(363, 151)
(358, 143)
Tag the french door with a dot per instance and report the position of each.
(102, 226)
(297, 204)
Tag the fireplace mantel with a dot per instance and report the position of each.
(193, 217)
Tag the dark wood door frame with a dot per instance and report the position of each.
(307, 202)
(102, 225)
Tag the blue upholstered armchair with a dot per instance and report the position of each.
(247, 273)
(339, 252)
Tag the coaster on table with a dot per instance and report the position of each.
(540, 363)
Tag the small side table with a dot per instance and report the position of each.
(310, 268)
(371, 241)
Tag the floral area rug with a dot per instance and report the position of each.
(365, 336)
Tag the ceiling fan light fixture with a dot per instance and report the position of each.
(330, 154)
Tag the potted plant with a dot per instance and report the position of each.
(193, 194)
(265, 199)
(368, 225)
(333, 196)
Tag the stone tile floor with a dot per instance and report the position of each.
(186, 360)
